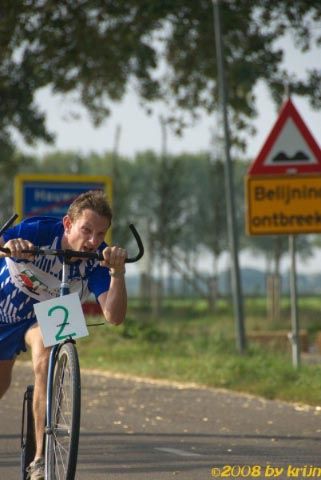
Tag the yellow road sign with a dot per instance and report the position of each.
(283, 204)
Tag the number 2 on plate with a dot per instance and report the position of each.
(59, 336)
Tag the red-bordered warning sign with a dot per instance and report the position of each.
(290, 147)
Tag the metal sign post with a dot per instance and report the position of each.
(230, 204)
(294, 336)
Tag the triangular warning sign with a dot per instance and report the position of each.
(290, 147)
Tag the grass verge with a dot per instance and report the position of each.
(188, 344)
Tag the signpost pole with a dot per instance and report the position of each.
(295, 340)
(230, 204)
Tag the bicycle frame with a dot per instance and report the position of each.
(64, 290)
(52, 433)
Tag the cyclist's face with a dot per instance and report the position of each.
(85, 233)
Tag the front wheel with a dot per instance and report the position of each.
(63, 435)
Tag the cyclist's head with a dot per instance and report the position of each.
(94, 200)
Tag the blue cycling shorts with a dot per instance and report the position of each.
(12, 338)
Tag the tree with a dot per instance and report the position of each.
(158, 201)
(96, 48)
(11, 163)
(210, 216)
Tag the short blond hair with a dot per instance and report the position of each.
(94, 200)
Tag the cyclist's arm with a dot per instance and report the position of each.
(114, 302)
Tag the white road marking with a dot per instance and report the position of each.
(180, 453)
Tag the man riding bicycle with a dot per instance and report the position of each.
(26, 280)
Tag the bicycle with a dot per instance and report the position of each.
(61, 436)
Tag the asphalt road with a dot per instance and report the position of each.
(134, 429)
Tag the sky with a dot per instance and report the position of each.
(139, 132)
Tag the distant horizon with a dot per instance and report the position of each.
(254, 283)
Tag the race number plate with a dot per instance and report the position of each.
(61, 318)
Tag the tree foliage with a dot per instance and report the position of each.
(164, 49)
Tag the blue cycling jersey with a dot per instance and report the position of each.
(24, 283)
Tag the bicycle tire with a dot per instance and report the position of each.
(28, 441)
(62, 440)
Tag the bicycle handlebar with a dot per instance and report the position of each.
(68, 254)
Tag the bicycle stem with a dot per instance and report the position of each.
(64, 285)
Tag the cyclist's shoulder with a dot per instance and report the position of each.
(41, 221)
(42, 224)
(36, 229)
